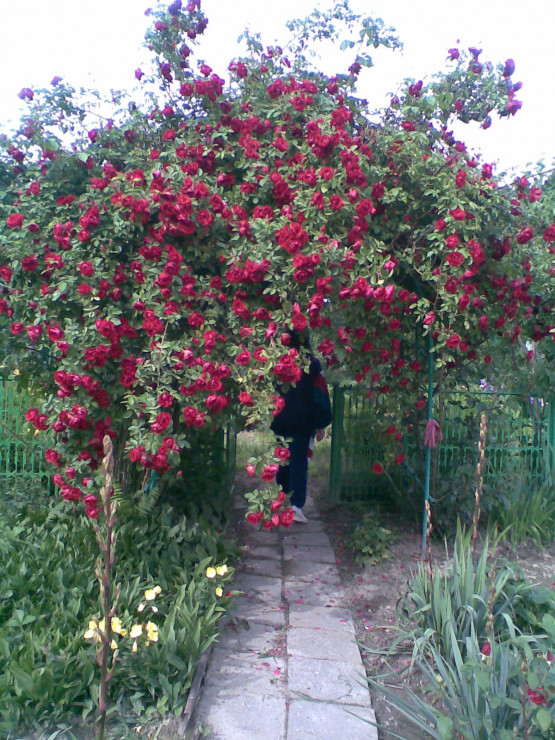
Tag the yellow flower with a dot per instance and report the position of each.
(136, 631)
(211, 572)
(92, 633)
(113, 645)
(219, 592)
(221, 570)
(134, 648)
(140, 608)
(117, 628)
(152, 593)
(152, 631)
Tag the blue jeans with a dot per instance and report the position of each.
(293, 477)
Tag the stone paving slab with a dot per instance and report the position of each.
(249, 637)
(328, 680)
(264, 552)
(304, 642)
(246, 673)
(313, 554)
(314, 592)
(313, 526)
(243, 717)
(265, 537)
(323, 617)
(261, 586)
(310, 720)
(259, 567)
(307, 570)
(306, 539)
(253, 609)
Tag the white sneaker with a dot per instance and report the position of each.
(298, 515)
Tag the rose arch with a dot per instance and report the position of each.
(151, 263)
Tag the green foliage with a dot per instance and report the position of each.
(526, 512)
(370, 540)
(48, 674)
(475, 698)
(483, 641)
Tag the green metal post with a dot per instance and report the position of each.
(552, 436)
(336, 442)
(428, 449)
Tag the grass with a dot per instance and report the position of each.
(255, 444)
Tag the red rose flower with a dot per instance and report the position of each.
(455, 259)
(14, 221)
(269, 472)
(286, 517)
(524, 235)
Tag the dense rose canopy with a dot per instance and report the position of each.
(154, 268)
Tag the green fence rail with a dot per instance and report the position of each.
(520, 439)
(21, 452)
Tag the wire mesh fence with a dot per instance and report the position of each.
(520, 440)
(21, 451)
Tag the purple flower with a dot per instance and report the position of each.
(454, 53)
(175, 7)
(509, 68)
(26, 94)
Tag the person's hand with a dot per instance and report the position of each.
(320, 434)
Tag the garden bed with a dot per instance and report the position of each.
(372, 594)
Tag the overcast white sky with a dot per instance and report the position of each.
(99, 43)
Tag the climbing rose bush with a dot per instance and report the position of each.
(151, 264)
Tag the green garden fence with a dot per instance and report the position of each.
(520, 439)
(211, 459)
(21, 451)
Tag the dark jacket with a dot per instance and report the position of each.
(307, 405)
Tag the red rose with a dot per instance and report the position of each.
(246, 399)
(458, 214)
(15, 221)
(162, 422)
(269, 472)
(282, 453)
(52, 457)
(377, 468)
(537, 697)
(455, 259)
(243, 358)
(524, 235)
(286, 517)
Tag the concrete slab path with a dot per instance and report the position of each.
(287, 666)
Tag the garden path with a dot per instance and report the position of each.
(286, 666)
